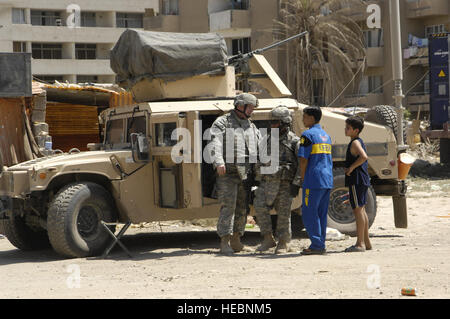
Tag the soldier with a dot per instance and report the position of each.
(278, 189)
(234, 149)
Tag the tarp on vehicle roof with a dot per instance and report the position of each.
(166, 55)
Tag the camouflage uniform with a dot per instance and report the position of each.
(230, 187)
(274, 190)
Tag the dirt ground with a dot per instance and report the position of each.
(182, 262)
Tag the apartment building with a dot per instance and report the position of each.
(419, 19)
(69, 40)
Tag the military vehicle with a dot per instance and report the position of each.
(135, 174)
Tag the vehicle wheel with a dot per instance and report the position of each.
(340, 215)
(23, 236)
(385, 115)
(74, 216)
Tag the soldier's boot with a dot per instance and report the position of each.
(268, 242)
(225, 245)
(236, 244)
(282, 247)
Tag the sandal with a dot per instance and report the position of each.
(355, 249)
(309, 251)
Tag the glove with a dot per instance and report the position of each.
(294, 190)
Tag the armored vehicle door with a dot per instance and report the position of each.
(176, 150)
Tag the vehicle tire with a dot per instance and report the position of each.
(385, 115)
(74, 216)
(340, 215)
(23, 236)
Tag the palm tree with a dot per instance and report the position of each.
(323, 61)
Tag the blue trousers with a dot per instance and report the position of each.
(314, 214)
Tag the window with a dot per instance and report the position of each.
(163, 132)
(18, 16)
(376, 84)
(114, 132)
(373, 38)
(85, 51)
(371, 84)
(129, 20)
(136, 124)
(87, 79)
(433, 29)
(88, 19)
(46, 51)
(50, 18)
(241, 46)
(19, 47)
(169, 7)
(240, 4)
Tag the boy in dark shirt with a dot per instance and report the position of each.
(358, 181)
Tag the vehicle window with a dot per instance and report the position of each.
(136, 124)
(163, 132)
(114, 132)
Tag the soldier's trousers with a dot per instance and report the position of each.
(233, 211)
(268, 196)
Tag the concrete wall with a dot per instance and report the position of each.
(194, 16)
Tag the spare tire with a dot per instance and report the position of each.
(387, 116)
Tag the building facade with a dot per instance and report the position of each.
(69, 40)
(418, 19)
(81, 54)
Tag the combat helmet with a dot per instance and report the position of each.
(282, 114)
(245, 99)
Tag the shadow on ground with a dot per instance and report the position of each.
(151, 245)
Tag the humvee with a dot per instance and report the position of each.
(60, 199)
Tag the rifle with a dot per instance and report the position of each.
(240, 61)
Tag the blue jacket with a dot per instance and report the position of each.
(315, 146)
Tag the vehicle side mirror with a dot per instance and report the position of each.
(139, 147)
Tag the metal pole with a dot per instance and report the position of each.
(397, 67)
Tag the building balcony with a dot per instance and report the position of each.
(165, 23)
(229, 19)
(363, 100)
(418, 56)
(26, 32)
(70, 66)
(417, 100)
(426, 8)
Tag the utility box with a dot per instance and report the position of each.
(15, 75)
(438, 55)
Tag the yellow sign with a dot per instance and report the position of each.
(442, 74)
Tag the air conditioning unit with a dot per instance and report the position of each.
(58, 22)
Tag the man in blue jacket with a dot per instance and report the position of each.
(316, 167)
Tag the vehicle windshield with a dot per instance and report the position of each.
(116, 130)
